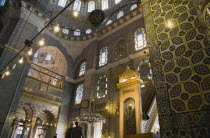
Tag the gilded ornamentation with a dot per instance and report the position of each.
(128, 74)
(37, 98)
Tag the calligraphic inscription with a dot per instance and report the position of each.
(127, 91)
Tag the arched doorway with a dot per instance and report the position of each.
(129, 117)
(45, 125)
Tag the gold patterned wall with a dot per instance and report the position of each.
(180, 56)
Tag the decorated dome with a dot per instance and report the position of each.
(82, 18)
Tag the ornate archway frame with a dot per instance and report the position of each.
(129, 85)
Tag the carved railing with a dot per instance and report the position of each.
(47, 92)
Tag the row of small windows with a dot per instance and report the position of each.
(121, 13)
(91, 4)
(140, 43)
(89, 31)
(76, 32)
(47, 57)
(145, 73)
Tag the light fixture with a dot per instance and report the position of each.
(106, 107)
(142, 86)
(14, 66)
(57, 28)
(30, 52)
(21, 60)
(7, 73)
(41, 42)
(149, 77)
(2, 76)
(170, 24)
(76, 13)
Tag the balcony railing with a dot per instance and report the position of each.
(45, 91)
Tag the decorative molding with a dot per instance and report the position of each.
(113, 27)
(40, 99)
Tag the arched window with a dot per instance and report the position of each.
(145, 71)
(140, 39)
(108, 22)
(36, 55)
(82, 69)
(119, 49)
(48, 57)
(120, 14)
(117, 1)
(133, 7)
(77, 32)
(77, 5)
(62, 3)
(105, 4)
(29, 73)
(102, 87)
(65, 31)
(88, 31)
(79, 94)
(91, 6)
(2, 2)
(103, 57)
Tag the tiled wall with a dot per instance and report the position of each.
(180, 58)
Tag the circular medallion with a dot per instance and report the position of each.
(96, 17)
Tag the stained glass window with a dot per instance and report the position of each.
(133, 7)
(65, 31)
(103, 57)
(62, 3)
(108, 22)
(145, 71)
(105, 4)
(29, 73)
(36, 55)
(2, 2)
(140, 39)
(88, 31)
(77, 32)
(82, 69)
(102, 87)
(79, 94)
(120, 14)
(117, 1)
(77, 5)
(48, 57)
(91, 6)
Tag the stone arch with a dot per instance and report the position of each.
(29, 111)
(49, 65)
(42, 112)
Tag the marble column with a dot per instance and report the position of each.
(63, 119)
(30, 134)
(25, 125)
(180, 53)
